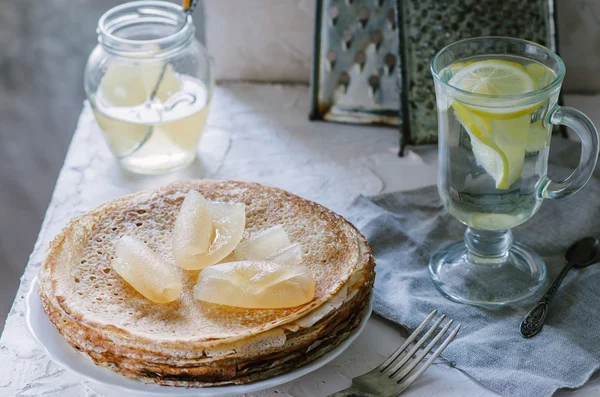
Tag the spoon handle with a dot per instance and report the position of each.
(534, 321)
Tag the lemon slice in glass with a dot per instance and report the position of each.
(538, 137)
(493, 77)
(485, 221)
(496, 77)
(498, 145)
(541, 75)
(498, 134)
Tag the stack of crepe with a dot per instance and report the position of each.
(194, 343)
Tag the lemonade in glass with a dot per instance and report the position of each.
(497, 102)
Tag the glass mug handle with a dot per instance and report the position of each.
(585, 129)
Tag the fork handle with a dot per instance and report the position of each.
(352, 392)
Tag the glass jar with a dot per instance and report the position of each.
(149, 82)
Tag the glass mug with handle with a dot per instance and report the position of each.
(497, 102)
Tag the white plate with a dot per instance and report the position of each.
(60, 351)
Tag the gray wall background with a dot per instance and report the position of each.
(44, 46)
(43, 49)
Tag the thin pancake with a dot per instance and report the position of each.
(77, 277)
(87, 339)
(231, 369)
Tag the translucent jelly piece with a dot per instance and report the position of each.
(170, 83)
(193, 230)
(146, 271)
(263, 244)
(229, 221)
(133, 84)
(291, 255)
(256, 285)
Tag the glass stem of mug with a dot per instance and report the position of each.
(487, 247)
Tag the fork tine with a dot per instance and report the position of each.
(399, 363)
(405, 371)
(408, 381)
(409, 340)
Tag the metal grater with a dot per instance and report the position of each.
(371, 57)
(430, 25)
(356, 77)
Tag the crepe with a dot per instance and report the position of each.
(189, 342)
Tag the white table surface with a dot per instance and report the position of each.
(256, 133)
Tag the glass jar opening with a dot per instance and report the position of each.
(144, 28)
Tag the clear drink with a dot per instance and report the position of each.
(496, 153)
(496, 99)
(151, 134)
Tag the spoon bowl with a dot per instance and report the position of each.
(583, 252)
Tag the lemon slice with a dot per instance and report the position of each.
(496, 77)
(458, 66)
(538, 137)
(485, 221)
(498, 145)
(541, 75)
(499, 134)
(493, 77)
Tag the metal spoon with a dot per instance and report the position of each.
(582, 253)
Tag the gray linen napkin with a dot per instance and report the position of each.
(405, 228)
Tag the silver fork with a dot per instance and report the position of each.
(401, 369)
